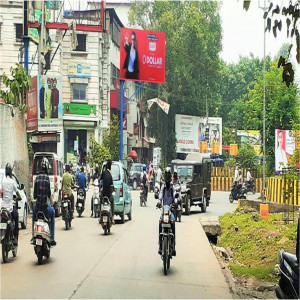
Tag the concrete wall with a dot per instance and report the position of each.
(13, 143)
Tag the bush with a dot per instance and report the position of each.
(230, 163)
(99, 154)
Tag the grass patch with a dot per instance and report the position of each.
(256, 243)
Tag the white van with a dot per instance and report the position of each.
(55, 173)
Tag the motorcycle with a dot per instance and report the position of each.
(156, 190)
(178, 209)
(240, 194)
(250, 186)
(105, 215)
(143, 196)
(41, 237)
(67, 215)
(7, 226)
(166, 237)
(96, 199)
(80, 201)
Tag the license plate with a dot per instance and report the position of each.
(3, 225)
(166, 225)
(96, 201)
(106, 207)
(104, 218)
(39, 242)
(65, 204)
(80, 204)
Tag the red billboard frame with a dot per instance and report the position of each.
(31, 102)
(142, 55)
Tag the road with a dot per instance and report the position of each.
(125, 264)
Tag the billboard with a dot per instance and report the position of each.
(249, 136)
(198, 134)
(79, 109)
(285, 145)
(50, 106)
(142, 55)
(32, 103)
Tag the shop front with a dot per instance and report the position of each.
(80, 127)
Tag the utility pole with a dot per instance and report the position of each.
(25, 35)
(42, 39)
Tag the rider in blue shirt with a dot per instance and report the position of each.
(82, 181)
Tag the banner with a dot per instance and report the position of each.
(192, 131)
(285, 145)
(50, 108)
(249, 136)
(32, 103)
(79, 70)
(163, 105)
(79, 109)
(142, 55)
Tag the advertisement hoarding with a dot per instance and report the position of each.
(192, 131)
(50, 106)
(249, 136)
(79, 109)
(32, 103)
(285, 145)
(142, 55)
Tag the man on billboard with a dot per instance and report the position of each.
(280, 154)
(42, 99)
(48, 99)
(131, 63)
(54, 99)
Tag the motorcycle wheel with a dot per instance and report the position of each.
(4, 250)
(179, 218)
(79, 213)
(15, 251)
(95, 211)
(253, 189)
(141, 201)
(40, 257)
(165, 244)
(67, 223)
(105, 230)
(168, 262)
(230, 198)
(70, 223)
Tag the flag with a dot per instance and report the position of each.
(163, 105)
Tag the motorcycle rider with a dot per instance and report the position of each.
(158, 176)
(175, 178)
(42, 194)
(67, 183)
(95, 176)
(82, 183)
(249, 178)
(9, 186)
(145, 180)
(167, 197)
(107, 186)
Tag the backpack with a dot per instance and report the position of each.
(164, 188)
(144, 178)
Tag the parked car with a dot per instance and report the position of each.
(23, 204)
(195, 178)
(122, 199)
(135, 175)
(55, 173)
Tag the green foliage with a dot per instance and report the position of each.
(230, 163)
(247, 157)
(227, 136)
(111, 138)
(16, 87)
(255, 244)
(98, 154)
(193, 43)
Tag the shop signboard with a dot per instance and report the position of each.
(285, 145)
(81, 70)
(147, 61)
(50, 108)
(32, 103)
(79, 109)
(192, 131)
(33, 32)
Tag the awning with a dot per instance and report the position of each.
(79, 122)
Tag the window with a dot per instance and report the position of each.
(114, 74)
(79, 91)
(81, 39)
(115, 32)
(19, 32)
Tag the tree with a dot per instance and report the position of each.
(99, 153)
(193, 44)
(111, 138)
(282, 109)
(16, 87)
(247, 157)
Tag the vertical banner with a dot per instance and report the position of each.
(285, 145)
(50, 106)
(32, 103)
(142, 55)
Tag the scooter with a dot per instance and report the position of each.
(106, 215)
(289, 268)
(67, 215)
(96, 199)
(156, 190)
(240, 194)
(143, 196)
(80, 201)
(250, 186)
(178, 209)
(41, 237)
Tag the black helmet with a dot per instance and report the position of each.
(8, 170)
(108, 164)
(168, 175)
(67, 167)
(44, 165)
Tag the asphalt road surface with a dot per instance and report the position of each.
(125, 264)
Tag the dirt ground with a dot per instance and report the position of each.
(244, 287)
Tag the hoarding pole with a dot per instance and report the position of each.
(25, 36)
(121, 119)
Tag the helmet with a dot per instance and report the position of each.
(175, 173)
(168, 175)
(67, 167)
(8, 170)
(44, 165)
(144, 167)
